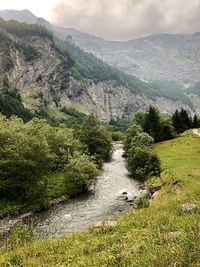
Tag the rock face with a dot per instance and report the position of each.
(159, 56)
(46, 80)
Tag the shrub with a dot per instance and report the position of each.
(80, 173)
(142, 202)
(19, 236)
(117, 136)
(142, 163)
(130, 133)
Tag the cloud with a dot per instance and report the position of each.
(128, 19)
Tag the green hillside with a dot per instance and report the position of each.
(161, 235)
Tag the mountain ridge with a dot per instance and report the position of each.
(103, 97)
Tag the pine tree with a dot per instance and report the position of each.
(195, 122)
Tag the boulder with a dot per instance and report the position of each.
(172, 235)
(122, 198)
(152, 189)
(155, 195)
(188, 207)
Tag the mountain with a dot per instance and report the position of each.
(156, 57)
(19, 15)
(47, 75)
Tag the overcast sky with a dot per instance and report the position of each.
(117, 19)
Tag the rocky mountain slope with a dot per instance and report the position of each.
(43, 74)
(160, 57)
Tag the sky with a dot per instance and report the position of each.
(117, 20)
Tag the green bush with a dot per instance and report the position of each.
(117, 136)
(10, 104)
(96, 138)
(143, 163)
(130, 133)
(142, 202)
(80, 173)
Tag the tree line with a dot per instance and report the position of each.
(161, 128)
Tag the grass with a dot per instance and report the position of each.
(160, 235)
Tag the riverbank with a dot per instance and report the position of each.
(162, 235)
(112, 196)
(56, 190)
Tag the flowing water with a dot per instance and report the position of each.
(99, 204)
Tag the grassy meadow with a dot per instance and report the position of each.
(160, 235)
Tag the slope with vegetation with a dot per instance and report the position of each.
(160, 235)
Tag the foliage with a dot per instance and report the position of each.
(156, 125)
(19, 236)
(142, 162)
(139, 118)
(80, 172)
(142, 202)
(34, 157)
(62, 146)
(167, 131)
(117, 136)
(130, 133)
(195, 121)
(29, 51)
(77, 115)
(181, 121)
(68, 116)
(172, 90)
(152, 124)
(120, 124)
(96, 138)
(23, 29)
(24, 158)
(10, 104)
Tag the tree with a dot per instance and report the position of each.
(195, 122)
(24, 159)
(181, 121)
(152, 123)
(80, 173)
(167, 129)
(130, 133)
(140, 118)
(143, 163)
(176, 120)
(96, 138)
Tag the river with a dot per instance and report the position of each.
(99, 204)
